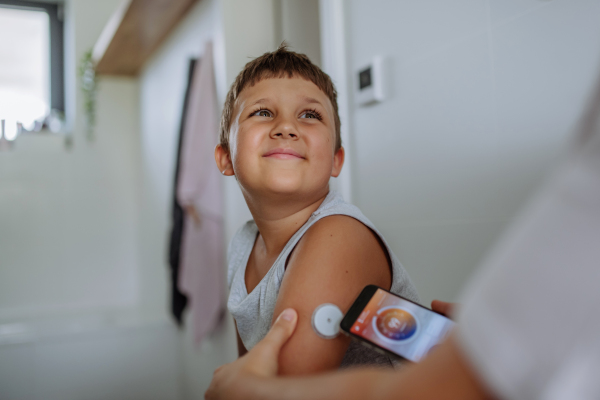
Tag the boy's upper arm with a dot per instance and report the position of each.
(332, 263)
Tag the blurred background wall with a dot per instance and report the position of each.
(69, 219)
(482, 95)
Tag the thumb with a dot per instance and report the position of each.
(267, 350)
(282, 329)
(443, 307)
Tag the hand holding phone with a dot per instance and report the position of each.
(444, 308)
(392, 324)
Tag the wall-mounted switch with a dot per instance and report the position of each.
(370, 82)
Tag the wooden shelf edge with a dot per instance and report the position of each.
(134, 31)
(108, 33)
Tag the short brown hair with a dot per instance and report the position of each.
(280, 63)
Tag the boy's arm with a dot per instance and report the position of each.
(337, 257)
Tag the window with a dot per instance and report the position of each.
(31, 64)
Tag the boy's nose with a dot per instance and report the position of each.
(284, 130)
(285, 135)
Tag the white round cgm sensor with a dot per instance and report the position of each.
(326, 320)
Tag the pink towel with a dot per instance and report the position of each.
(199, 192)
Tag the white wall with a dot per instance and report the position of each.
(68, 238)
(483, 97)
(297, 22)
(92, 357)
(71, 282)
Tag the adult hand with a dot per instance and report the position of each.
(231, 381)
(444, 308)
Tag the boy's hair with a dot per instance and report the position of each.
(280, 63)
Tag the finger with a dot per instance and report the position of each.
(443, 307)
(280, 332)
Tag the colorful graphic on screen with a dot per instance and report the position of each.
(402, 327)
(395, 324)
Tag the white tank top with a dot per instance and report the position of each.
(253, 312)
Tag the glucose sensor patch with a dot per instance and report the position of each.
(326, 320)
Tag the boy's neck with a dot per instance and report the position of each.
(278, 220)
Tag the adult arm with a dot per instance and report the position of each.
(444, 374)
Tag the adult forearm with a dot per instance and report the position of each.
(354, 384)
(445, 374)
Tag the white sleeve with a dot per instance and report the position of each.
(530, 322)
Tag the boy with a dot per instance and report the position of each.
(280, 138)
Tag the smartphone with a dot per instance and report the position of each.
(394, 325)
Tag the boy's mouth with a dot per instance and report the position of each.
(283, 154)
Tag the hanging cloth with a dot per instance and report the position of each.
(178, 299)
(199, 192)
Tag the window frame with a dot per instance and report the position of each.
(55, 13)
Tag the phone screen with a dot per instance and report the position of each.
(400, 326)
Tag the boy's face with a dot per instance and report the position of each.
(282, 138)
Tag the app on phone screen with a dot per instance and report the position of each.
(400, 326)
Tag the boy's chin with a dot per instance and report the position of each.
(286, 185)
(294, 189)
(283, 190)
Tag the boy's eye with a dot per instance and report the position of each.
(262, 113)
(311, 114)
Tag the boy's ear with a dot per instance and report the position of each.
(338, 162)
(223, 159)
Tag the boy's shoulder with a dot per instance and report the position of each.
(336, 224)
(336, 205)
(339, 226)
(241, 242)
(340, 236)
(338, 230)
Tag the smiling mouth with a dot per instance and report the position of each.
(283, 154)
